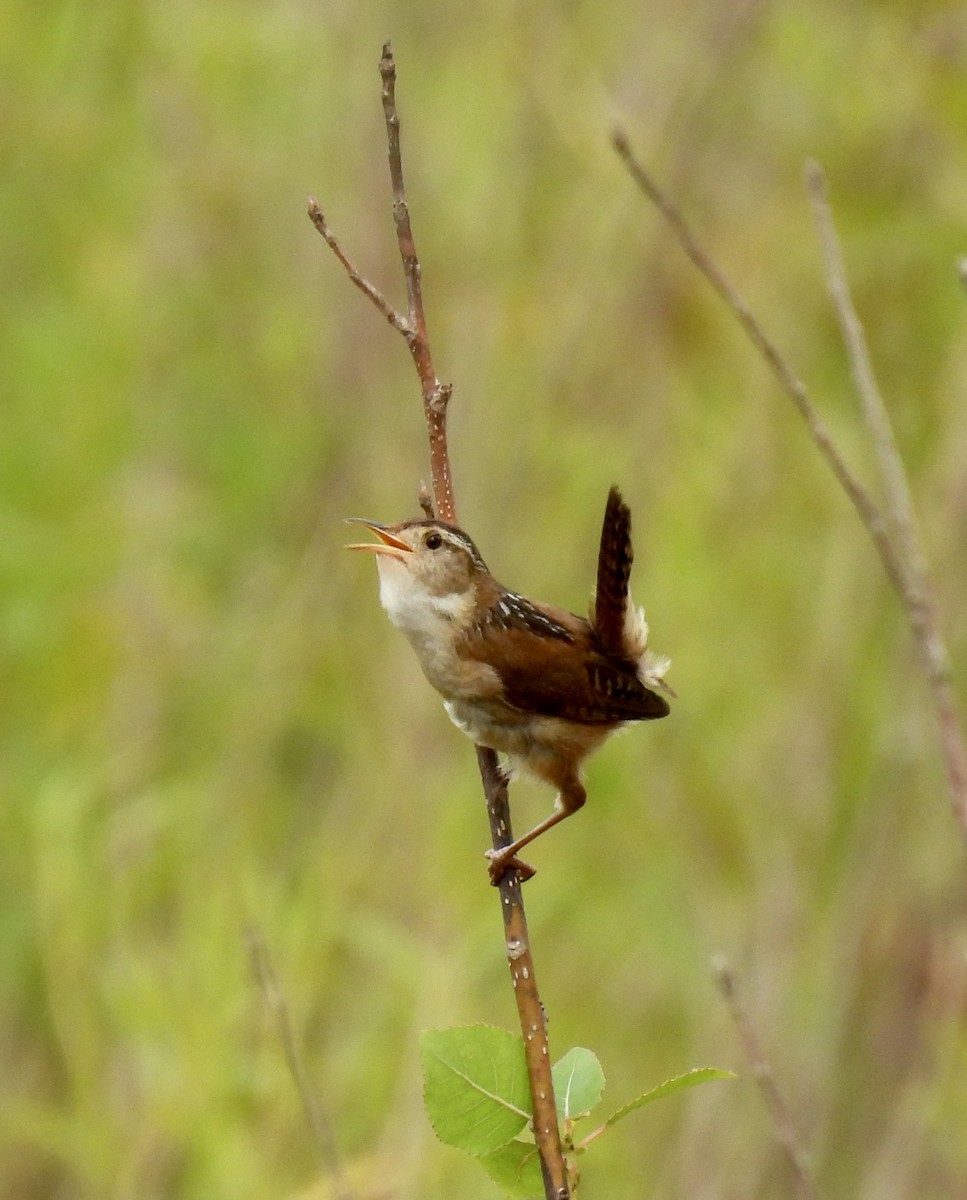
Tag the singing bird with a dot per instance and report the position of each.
(536, 683)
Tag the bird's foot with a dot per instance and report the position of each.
(500, 861)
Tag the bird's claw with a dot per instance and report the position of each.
(500, 861)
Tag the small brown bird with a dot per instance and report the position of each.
(541, 685)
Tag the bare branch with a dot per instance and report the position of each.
(914, 584)
(533, 1022)
(401, 212)
(905, 571)
(372, 293)
(892, 475)
(317, 1119)
(864, 504)
(782, 1123)
(436, 397)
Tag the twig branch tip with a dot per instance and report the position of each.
(785, 1131)
(814, 175)
(723, 974)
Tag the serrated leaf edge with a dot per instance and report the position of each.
(528, 1158)
(462, 1074)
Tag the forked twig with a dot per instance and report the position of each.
(373, 294)
(892, 475)
(412, 326)
(782, 1123)
(898, 544)
(317, 1119)
(916, 591)
(436, 397)
(793, 386)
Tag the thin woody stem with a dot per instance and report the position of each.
(278, 1007)
(533, 1024)
(436, 397)
(897, 540)
(864, 504)
(915, 590)
(892, 475)
(782, 1123)
(412, 270)
(372, 293)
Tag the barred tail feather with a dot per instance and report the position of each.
(615, 557)
(620, 627)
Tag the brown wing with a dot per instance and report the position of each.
(573, 680)
(510, 613)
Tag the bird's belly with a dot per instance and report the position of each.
(530, 739)
(491, 725)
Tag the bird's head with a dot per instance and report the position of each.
(423, 563)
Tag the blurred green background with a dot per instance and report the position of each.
(207, 720)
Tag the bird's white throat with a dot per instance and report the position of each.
(408, 604)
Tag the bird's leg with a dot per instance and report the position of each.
(570, 798)
(505, 777)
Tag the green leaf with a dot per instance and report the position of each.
(677, 1084)
(578, 1083)
(516, 1168)
(475, 1086)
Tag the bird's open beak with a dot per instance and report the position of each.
(387, 544)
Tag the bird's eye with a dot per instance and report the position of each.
(433, 541)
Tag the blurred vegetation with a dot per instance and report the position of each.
(207, 720)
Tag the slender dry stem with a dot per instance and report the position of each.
(436, 397)
(782, 1123)
(892, 475)
(898, 545)
(317, 1119)
(864, 504)
(530, 1009)
(916, 590)
(373, 294)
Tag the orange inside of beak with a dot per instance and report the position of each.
(387, 544)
